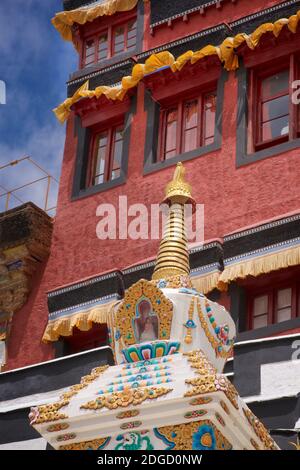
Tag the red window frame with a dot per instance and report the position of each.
(257, 75)
(109, 154)
(272, 302)
(109, 31)
(126, 39)
(179, 106)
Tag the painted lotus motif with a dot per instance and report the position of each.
(204, 438)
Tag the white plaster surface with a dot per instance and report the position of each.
(32, 444)
(31, 400)
(280, 378)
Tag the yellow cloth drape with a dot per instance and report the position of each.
(206, 283)
(225, 52)
(64, 20)
(83, 320)
(260, 265)
(63, 110)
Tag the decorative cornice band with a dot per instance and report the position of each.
(203, 247)
(82, 284)
(140, 267)
(185, 40)
(100, 72)
(102, 300)
(186, 12)
(264, 250)
(261, 228)
(262, 13)
(234, 23)
(205, 269)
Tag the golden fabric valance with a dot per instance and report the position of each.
(64, 20)
(83, 320)
(225, 52)
(257, 265)
(207, 282)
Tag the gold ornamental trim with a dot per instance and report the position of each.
(126, 313)
(260, 430)
(182, 435)
(218, 347)
(47, 413)
(126, 398)
(86, 445)
(82, 320)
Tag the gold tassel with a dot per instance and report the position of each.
(83, 320)
(260, 265)
(206, 284)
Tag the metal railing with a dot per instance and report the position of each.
(11, 193)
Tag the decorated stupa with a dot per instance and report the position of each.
(167, 390)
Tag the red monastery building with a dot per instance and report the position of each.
(207, 83)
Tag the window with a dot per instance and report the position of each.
(272, 117)
(260, 311)
(187, 125)
(89, 52)
(124, 37)
(80, 341)
(110, 42)
(274, 306)
(106, 156)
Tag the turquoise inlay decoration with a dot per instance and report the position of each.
(169, 445)
(148, 351)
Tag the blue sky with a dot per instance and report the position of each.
(35, 64)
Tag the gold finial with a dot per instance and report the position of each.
(179, 190)
(173, 255)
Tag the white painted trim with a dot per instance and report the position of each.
(285, 429)
(262, 340)
(38, 399)
(31, 444)
(28, 401)
(261, 398)
(229, 374)
(55, 360)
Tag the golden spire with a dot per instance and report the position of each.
(173, 256)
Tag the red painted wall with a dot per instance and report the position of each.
(233, 198)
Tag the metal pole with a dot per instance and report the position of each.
(7, 201)
(47, 192)
(14, 162)
(6, 192)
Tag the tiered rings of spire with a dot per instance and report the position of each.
(173, 256)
